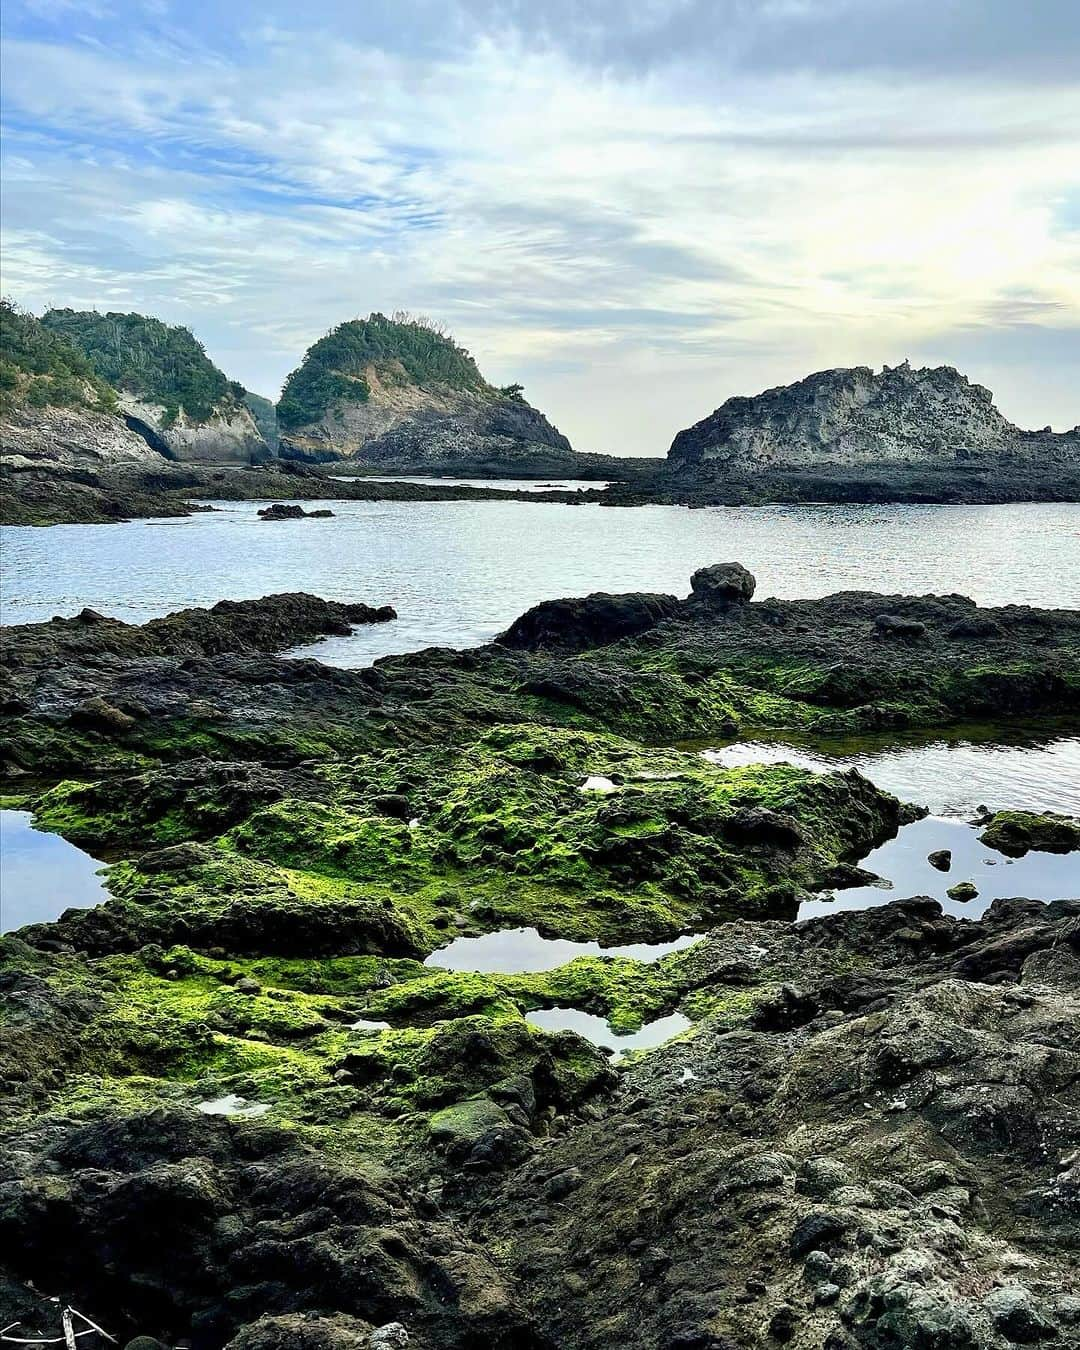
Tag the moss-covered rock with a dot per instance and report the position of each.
(1015, 832)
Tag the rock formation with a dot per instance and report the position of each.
(243, 1111)
(228, 435)
(56, 438)
(855, 421)
(399, 392)
(168, 390)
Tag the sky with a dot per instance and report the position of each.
(636, 210)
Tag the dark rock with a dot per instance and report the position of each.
(594, 621)
(1014, 833)
(281, 511)
(963, 891)
(1017, 1317)
(723, 584)
(816, 1230)
(895, 626)
(940, 858)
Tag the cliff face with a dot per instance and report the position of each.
(167, 387)
(853, 417)
(425, 425)
(401, 392)
(54, 438)
(227, 436)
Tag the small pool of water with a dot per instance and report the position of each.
(41, 874)
(999, 767)
(596, 1029)
(518, 951)
(903, 861)
(232, 1105)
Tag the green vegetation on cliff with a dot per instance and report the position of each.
(41, 368)
(404, 348)
(154, 361)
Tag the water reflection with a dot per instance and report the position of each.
(903, 861)
(595, 1029)
(951, 775)
(516, 951)
(41, 874)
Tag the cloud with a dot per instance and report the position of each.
(635, 222)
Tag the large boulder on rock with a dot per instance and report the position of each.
(590, 621)
(723, 584)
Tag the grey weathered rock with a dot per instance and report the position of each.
(228, 436)
(402, 422)
(392, 1336)
(854, 416)
(53, 438)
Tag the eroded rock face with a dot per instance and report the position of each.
(51, 439)
(228, 436)
(853, 417)
(402, 423)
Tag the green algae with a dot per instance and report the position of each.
(1016, 832)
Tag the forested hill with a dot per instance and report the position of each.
(402, 349)
(155, 362)
(40, 368)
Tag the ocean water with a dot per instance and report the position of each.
(460, 572)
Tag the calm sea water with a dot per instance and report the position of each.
(501, 484)
(460, 572)
(951, 775)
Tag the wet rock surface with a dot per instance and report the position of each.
(882, 1154)
(280, 511)
(241, 1109)
(651, 667)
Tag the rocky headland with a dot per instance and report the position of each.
(399, 394)
(244, 1107)
(852, 434)
(106, 417)
(168, 390)
(96, 408)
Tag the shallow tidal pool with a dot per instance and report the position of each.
(41, 874)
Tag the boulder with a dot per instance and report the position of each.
(723, 584)
(590, 621)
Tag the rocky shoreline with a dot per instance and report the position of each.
(32, 494)
(246, 1106)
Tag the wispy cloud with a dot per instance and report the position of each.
(637, 217)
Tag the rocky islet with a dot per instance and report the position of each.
(111, 416)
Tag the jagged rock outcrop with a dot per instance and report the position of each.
(399, 393)
(856, 419)
(71, 438)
